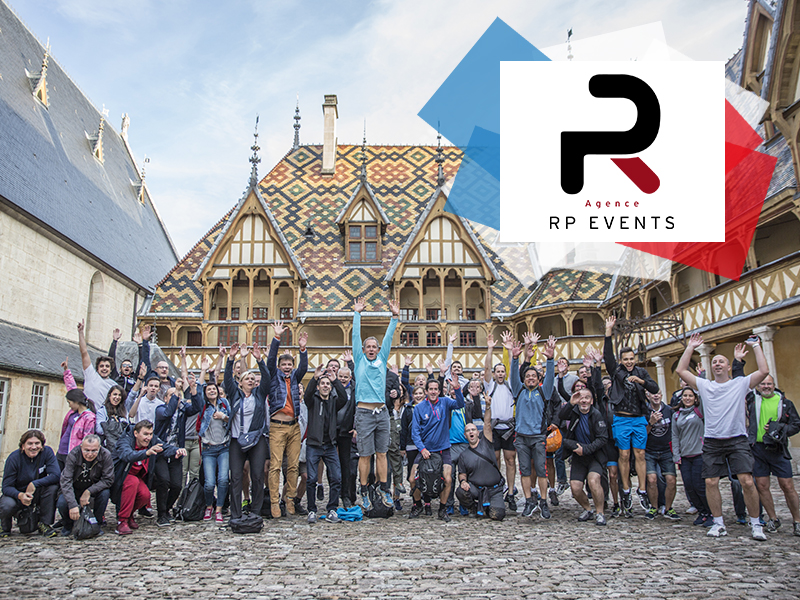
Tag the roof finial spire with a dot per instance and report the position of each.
(296, 144)
(364, 154)
(439, 156)
(569, 44)
(254, 160)
(141, 184)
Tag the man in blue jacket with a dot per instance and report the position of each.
(430, 431)
(372, 417)
(30, 479)
(533, 408)
(284, 410)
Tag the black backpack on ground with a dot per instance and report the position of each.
(430, 475)
(191, 503)
(248, 523)
(86, 527)
(378, 510)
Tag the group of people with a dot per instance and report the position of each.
(137, 430)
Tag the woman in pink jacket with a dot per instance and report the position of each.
(78, 422)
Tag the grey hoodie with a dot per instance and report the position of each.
(687, 432)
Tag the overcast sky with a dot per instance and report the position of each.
(192, 75)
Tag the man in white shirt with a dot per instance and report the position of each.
(143, 407)
(723, 405)
(96, 379)
(499, 390)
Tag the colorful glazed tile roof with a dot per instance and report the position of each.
(568, 285)
(402, 179)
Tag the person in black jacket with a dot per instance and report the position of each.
(30, 479)
(126, 376)
(345, 418)
(324, 397)
(86, 479)
(134, 469)
(585, 439)
(626, 396)
(248, 415)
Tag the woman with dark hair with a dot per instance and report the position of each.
(112, 418)
(215, 434)
(78, 422)
(30, 480)
(687, 452)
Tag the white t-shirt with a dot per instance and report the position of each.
(95, 387)
(724, 406)
(502, 402)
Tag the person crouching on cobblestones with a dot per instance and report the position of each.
(480, 485)
(430, 431)
(585, 439)
(134, 471)
(30, 480)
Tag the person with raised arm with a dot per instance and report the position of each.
(248, 429)
(372, 416)
(723, 403)
(503, 423)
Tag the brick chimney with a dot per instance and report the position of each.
(331, 113)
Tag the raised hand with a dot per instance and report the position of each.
(429, 368)
(453, 337)
(117, 334)
(739, 351)
(695, 341)
(278, 328)
(347, 356)
(409, 360)
(137, 337)
(81, 327)
(183, 352)
(490, 341)
(508, 339)
(610, 322)
(233, 350)
(147, 332)
(588, 361)
(142, 371)
(302, 340)
(359, 304)
(319, 371)
(65, 364)
(221, 350)
(596, 354)
(753, 341)
(530, 338)
(245, 350)
(550, 347)
(205, 364)
(516, 349)
(256, 351)
(395, 369)
(394, 306)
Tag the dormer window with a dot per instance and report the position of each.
(363, 243)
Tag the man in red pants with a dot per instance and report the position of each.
(134, 467)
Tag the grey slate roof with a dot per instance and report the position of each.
(48, 171)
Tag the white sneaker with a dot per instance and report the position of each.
(332, 517)
(312, 517)
(758, 533)
(692, 510)
(662, 510)
(717, 530)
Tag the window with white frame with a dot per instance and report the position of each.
(38, 405)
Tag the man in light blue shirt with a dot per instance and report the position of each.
(372, 417)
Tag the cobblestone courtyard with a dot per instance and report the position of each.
(424, 558)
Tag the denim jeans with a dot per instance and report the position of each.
(100, 502)
(330, 456)
(215, 469)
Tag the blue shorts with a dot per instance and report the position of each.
(629, 431)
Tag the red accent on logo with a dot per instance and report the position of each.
(639, 173)
(747, 177)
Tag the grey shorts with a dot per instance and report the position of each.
(531, 448)
(372, 431)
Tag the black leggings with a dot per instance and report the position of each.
(257, 457)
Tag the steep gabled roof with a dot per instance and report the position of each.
(368, 188)
(47, 169)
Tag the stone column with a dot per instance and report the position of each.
(767, 333)
(662, 380)
(705, 358)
